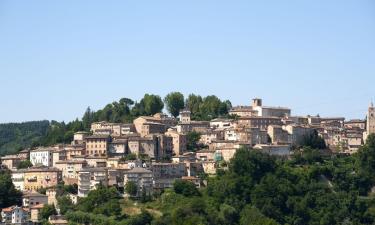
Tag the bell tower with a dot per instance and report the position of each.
(370, 124)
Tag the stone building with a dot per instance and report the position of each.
(97, 145)
(41, 177)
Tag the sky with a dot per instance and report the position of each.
(59, 57)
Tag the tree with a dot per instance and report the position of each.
(366, 158)
(152, 104)
(192, 138)
(47, 211)
(65, 204)
(252, 216)
(24, 164)
(131, 188)
(8, 194)
(185, 188)
(174, 102)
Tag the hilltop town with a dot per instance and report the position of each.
(147, 157)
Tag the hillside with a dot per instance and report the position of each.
(15, 136)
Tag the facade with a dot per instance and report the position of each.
(97, 145)
(141, 177)
(30, 199)
(370, 123)
(42, 156)
(70, 169)
(18, 177)
(179, 142)
(259, 122)
(42, 177)
(14, 215)
(185, 116)
(90, 178)
(11, 161)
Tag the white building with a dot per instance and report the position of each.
(18, 179)
(90, 178)
(141, 177)
(42, 156)
(14, 215)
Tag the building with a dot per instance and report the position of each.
(277, 150)
(11, 161)
(97, 145)
(90, 178)
(113, 129)
(185, 116)
(143, 146)
(30, 199)
(41, 177)
(70, 169)
(260, 122)
(277, 134)
(142, 178)
(370, 122)
(18, 177)
(257, 109)
(243, 111)
(156, 124)
(42, 156)
(118, 147)
(179, 141)
(14, 215)
(268, 111)
(35, 213)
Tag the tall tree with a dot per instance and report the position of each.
(8, 194)
(152, 104)
(174, 102)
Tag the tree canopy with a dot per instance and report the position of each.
(175, 102)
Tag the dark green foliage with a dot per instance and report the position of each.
(8, 194)
(174, 102)
(131, 188)
(207, 108)
(17, 136)
(65, 204)
(312, 140)
(185, 188)
(47, 210)
(192, 139)
(24, 164)
(252, 216)
(101, 201)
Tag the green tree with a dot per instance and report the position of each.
(312, 140)
(152, 104)
(24, 164)
(65, 204)
(8, 194)
(252, 216)
(174, 102)
(192, 139)
(131, 188)
(185, 188)
(47, 211)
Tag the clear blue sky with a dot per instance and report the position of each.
(58, 57)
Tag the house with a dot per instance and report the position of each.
(35, 213)
(14, 215)
(18, 179)
(30, 199)
(97, 145)
(90, 178)
(41, 177)
(142, 178)
(179, 141)
(11, 161)
(277, 150)
(42, 156)
(70, 169)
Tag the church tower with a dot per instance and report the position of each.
(370, 125)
